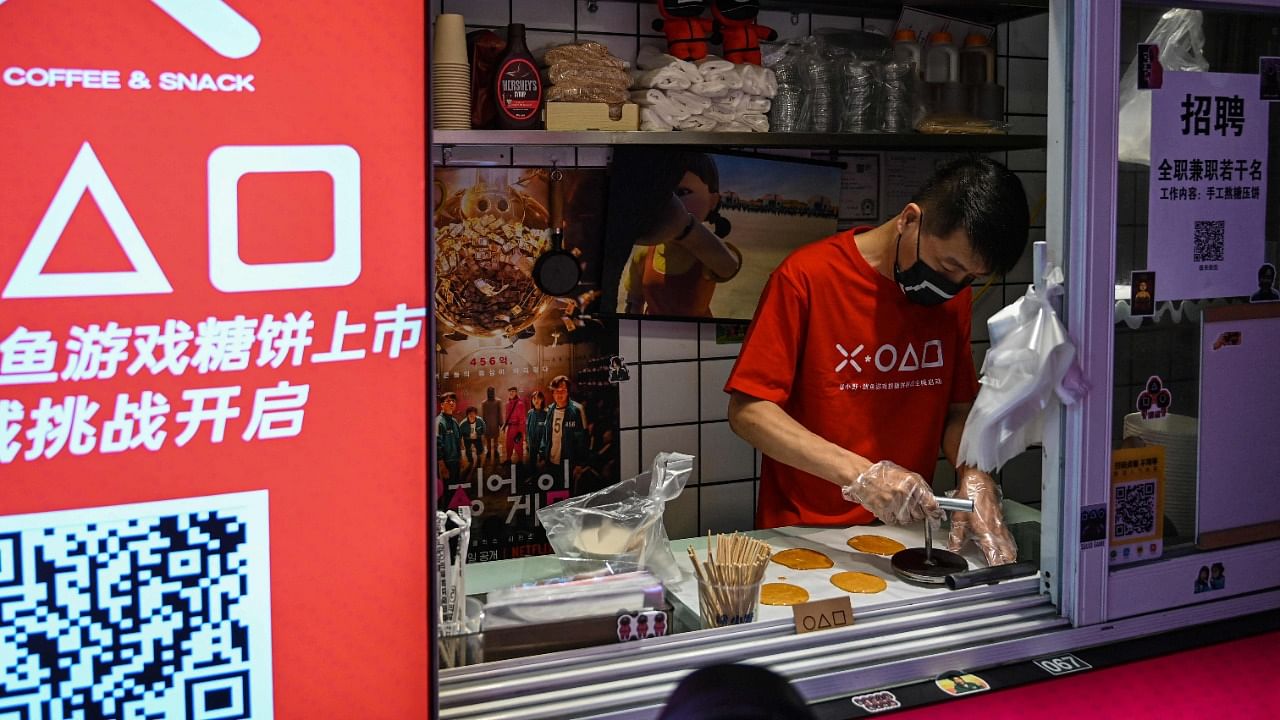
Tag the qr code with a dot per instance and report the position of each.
(152, 611)
(1135, 509)
(1209, 241)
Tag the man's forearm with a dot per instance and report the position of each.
(776, 434)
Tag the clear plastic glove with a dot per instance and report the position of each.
(985, 525)
(894, 494)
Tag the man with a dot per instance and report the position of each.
(491, 413)
(1266, 285)
(857, 365)
(473, 430)
(566, 423)
(513, 426)
(448, 442)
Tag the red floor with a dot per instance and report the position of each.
(1236, 679)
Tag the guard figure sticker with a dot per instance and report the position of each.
(959, 683)
(1142, 301)
(1155, 401)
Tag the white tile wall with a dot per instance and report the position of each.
(480, 12)
(629, 400)
(1027, 80)
(629, 340)
(780, 21)
(1034, 185)
(611, 17)
(681, 515)
(725, 456)
(715, 402)
(983, 310)
(673, 438)
(543, 14)
(539, 41)
(726, 508)
(818, 21)
(628, 454)
(623, 46)
(1029, 36)
(668, 341)
(648, 13)
(668, 393)
(707, 346)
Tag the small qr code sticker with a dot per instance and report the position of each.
(1209, 241)
(1135, 509)
(150, 611)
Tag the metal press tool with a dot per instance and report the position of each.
(927, 565)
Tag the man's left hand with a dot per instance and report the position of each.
(985, 525)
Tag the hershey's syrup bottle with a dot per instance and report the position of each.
(518, 90)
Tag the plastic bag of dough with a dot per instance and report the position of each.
(622, 521)
(585, 53)
(587, 93)
(580, 74)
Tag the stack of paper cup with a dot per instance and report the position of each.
(450, 75)
(1178, 434)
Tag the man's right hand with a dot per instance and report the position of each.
(894, 494)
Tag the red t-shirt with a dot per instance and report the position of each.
(840, 348)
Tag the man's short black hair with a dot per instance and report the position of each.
(982, 197)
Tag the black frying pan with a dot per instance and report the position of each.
(557, 271)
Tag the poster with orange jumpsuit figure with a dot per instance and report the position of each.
(527, 410)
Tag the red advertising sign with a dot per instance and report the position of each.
(212, 359)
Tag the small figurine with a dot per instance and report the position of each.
(736, 24)
(687, 32)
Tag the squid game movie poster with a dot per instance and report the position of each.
(527, 409)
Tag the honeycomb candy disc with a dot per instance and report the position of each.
(859, 582)
(782, 594)
(803, 559)
(876, 545)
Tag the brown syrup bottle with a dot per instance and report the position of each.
(517, 85)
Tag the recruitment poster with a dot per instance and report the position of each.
(212, 360)
(528, 408)
(1208, 196)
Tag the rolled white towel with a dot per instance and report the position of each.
(651, 119)
(697, 122)
(710, 89)
(690, 103)
(758, 104)
(666, 78)
(650, 58)
(758, 80)
(662, 103)
(732, 126)
(756, 121)
(712, 65)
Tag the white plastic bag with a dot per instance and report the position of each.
(1180, 35)
(622, 521)
(1031, 361)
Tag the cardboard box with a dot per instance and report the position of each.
(590, 116)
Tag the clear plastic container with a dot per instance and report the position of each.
(941, 60)
(721, 605)
(977, 60)
(906, 49)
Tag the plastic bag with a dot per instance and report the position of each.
(586, 53)
(1030, 361)
(1180, 35)
(622, 521)
(567, 73)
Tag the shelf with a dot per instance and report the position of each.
(838, 141)
(988, 13)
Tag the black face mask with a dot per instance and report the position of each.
(920, 283)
